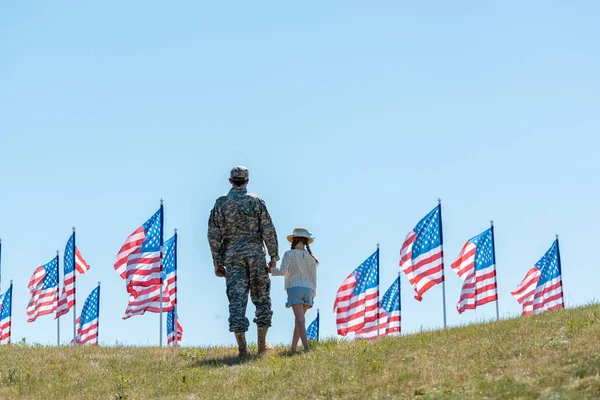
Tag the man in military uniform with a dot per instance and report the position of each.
(239, 227)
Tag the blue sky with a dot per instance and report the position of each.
(353, 118)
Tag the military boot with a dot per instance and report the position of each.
(242, 345)
(263, 346)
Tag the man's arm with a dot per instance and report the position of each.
(269, 235)
(215, 236)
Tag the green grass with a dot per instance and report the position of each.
(551, 356)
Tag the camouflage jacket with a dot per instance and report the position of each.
(239, 223)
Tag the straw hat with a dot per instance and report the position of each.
(301, 232)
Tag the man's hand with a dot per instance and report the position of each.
(272, 264)
(220, 271)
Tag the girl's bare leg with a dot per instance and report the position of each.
(296, 335)
(301, 323)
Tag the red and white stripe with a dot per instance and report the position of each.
(42, 302)
(548, 296)
(387, 325)
(88, 333)
(148, 300)
(353, 311)
(171, 287)
(5, 326)
(525, 292)
(139, 269)
(67, 297)
(426, 270)
(80, 265)
(171, 335)
(479, 286)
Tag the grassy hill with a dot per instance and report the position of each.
(551, 356)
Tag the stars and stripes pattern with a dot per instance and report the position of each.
(389, 315)
(87, 322)
(139, 260)
(171, 318)
(422, 256)
(313, 329)
(148, 298)
(541, 290)
(43, 287)
(73, 264)
(475, 265)
(5, 316)
(356, 301)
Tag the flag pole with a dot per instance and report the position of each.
(57, 294)
(562, 292)
(75, 293)
(98, 314)
(495, 270)
(175, 327)
(160, 322)
(318, 325)
(11, 303)
(442, 248)
(377, 290)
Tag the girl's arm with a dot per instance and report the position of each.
(284, 266)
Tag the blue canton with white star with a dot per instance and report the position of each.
(171, 318)
(152, 232)
(366, 275)
(90, 307)
(169, 249)
(51, 277)
(5, 300)
(69, 259)
(428, 233)
(313, 330)
(548, 265)
(484, 252)
(391, 299)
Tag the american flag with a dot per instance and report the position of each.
(171, 316)
(148, 299)
(475, 265)
(73, 262)
(357, 300)
(5, 316)
(138, 261)
(313, 329)
(421, 256)
(389, 315)
(541, 290)
(43, 287)
(87, 322)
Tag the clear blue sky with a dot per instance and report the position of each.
(352, 117)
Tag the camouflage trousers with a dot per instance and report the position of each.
(243, 276)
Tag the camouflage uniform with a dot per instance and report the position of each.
(238, 226)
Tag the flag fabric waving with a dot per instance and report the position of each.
(169, 272)
(389, 315)
(171, 317)
(43, 287)
(139, 260)
(148, 298)
(422, 256)
(5, 316)
(73, 263)
(357, 300)
(313, 329)
(541, 290)
(475, 265)
(87, 322)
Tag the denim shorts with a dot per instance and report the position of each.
(300, 295)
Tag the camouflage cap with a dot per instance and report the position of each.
(239, 173)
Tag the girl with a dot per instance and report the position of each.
(299, 266)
